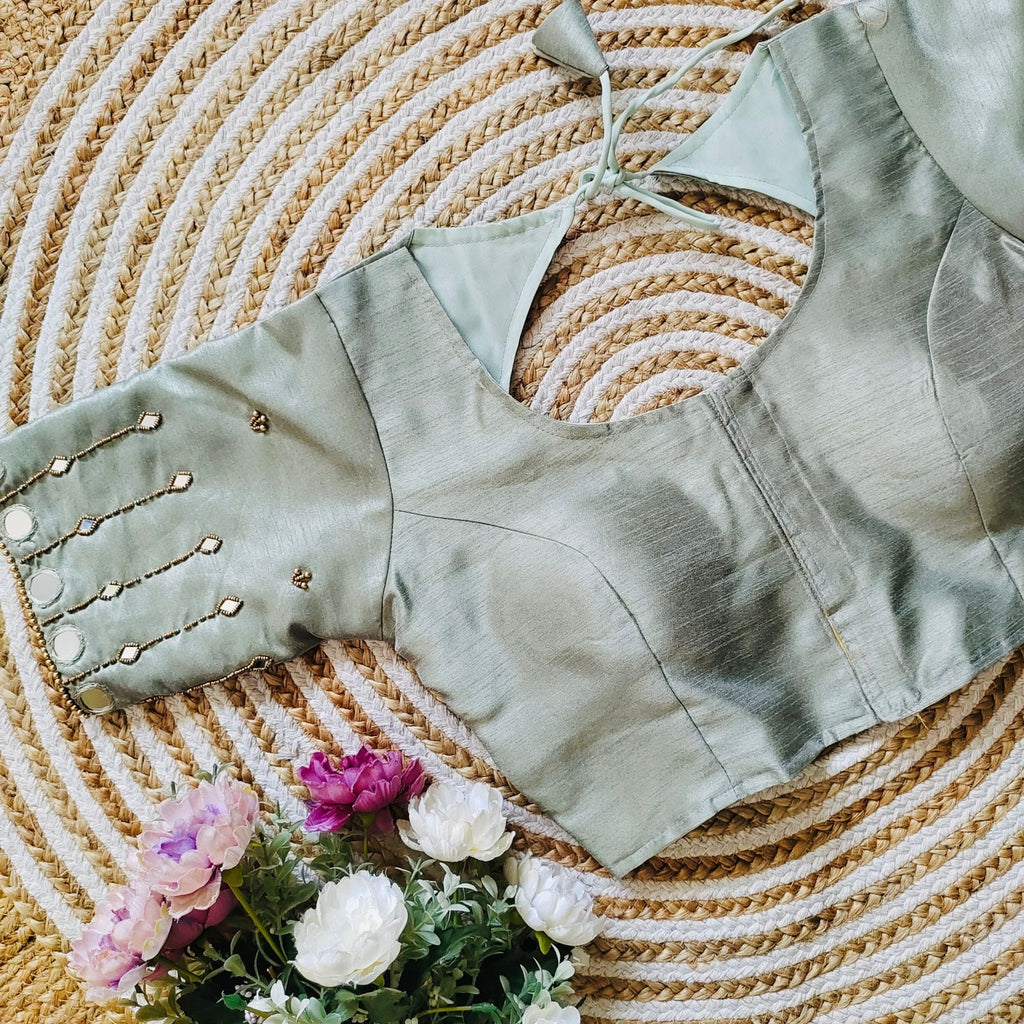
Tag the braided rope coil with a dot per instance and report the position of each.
(172, 170)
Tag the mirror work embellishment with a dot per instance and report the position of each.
(130, 652)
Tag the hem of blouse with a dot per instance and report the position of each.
(384, 635)
(749, 785)
(952, 680)
(681, 825)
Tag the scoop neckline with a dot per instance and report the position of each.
(679, 411)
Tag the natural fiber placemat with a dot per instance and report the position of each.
(174, 169)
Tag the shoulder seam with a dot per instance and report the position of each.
(384, 460)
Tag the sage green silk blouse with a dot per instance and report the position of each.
(643, 620)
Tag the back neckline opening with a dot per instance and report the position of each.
(560, 215)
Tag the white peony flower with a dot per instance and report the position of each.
(553, 900)
(551, 1014)
(351, 936)
(451, 823)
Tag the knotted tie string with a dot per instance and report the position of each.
(608, 173)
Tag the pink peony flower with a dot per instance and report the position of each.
(128, 928)
(366, 783)
(199, 834)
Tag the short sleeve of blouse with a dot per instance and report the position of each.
(223, 510)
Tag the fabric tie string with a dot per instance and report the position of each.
(608, 173)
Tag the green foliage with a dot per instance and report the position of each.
(463, 935)
(467, 957)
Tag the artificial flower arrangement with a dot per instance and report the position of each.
(232, 917)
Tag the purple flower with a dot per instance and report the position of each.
(367, 784)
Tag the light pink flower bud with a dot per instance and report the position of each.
(127, 930)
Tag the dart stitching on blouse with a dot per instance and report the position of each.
(611, 587)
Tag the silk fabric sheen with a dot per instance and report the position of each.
(643, 620)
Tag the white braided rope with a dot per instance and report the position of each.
(292, 745)
(133, 201)
(45, 99)
(31, 239)
(245, 743)
(199, 174)
(589, 337)
(261, 172)
(1003, 990)
(20, 775)
(165, 767)
(134, 796)
(88, 207)
(654, 387)
(36, 883)
(324, 708)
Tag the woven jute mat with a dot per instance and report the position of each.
(174, 169)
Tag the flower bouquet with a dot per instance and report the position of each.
(354, 913)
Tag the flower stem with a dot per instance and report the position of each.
(445, 1009)
(170, 964)
(233, 878)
